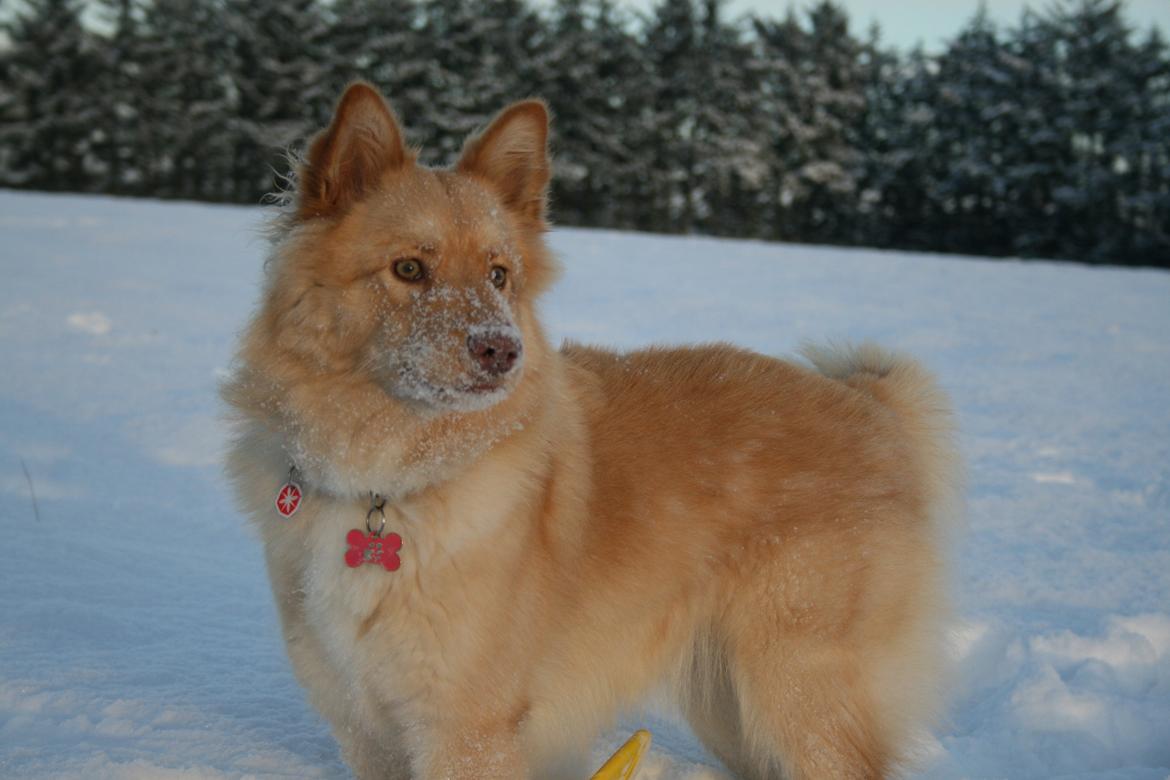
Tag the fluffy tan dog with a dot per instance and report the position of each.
(757, 539)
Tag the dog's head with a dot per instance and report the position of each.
(421, 278)
(398, 292)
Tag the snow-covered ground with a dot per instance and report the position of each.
(137, 633)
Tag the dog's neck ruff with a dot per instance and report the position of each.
(372, 546)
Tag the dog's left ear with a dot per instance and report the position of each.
(512, 156)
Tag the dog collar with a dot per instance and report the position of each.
(374, 546)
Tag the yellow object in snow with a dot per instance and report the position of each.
(623, 763)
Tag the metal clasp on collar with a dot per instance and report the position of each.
(377, 504)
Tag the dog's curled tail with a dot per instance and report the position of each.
(900, 383)
(912, 678)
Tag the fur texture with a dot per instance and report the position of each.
(759, 539)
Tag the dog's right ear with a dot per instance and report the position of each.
(347, 159)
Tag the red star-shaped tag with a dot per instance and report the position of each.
(288, 499)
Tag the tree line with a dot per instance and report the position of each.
(1046, 138)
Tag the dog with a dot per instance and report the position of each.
(483, 548)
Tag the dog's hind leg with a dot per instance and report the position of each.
(805, 712)
(776, 710)
(708, 700)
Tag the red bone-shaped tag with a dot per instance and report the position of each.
(369, 548)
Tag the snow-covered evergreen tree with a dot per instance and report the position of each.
(591, 76)
(379, 40)
(1145, 149)
(913, 204)
(886, 151)
(278, 71)
(728, 137)
(975, 131)
(831, 180)
(121, 87)
(1093, 117)
(816, 95)
(480, 55)
(671, 48)
(50, 108)
(1035, 163)
(186, 103)
(704, 155)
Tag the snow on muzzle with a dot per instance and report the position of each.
(459, 341)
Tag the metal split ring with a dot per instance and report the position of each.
(376, 505)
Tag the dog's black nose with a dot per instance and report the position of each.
(495, 353)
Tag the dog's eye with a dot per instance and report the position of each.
(499, 276)
(409, 269)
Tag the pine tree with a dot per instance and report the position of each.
(591, 77)
(279, 56)
(976, 120)
(1127, 131)
(778, 45)
(672, 50)
(481, 55)
(832, 177)
(729, 134)
(568, 82)
(185, 105)
(50, 107)
(378, 40)
(1035, 163)
(121, 87)
(703, 119)
(1094, 42)
(1145, 180)
(885, 149)
(817, 98)
(568, 74)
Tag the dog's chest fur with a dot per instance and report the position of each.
(414, 636)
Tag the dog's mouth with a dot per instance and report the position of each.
(473, 393)
(480, 388)
(486, 390)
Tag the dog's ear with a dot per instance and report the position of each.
(511, 154)
(346, 159)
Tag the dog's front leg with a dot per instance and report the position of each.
(374, 755)
(487, 751)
